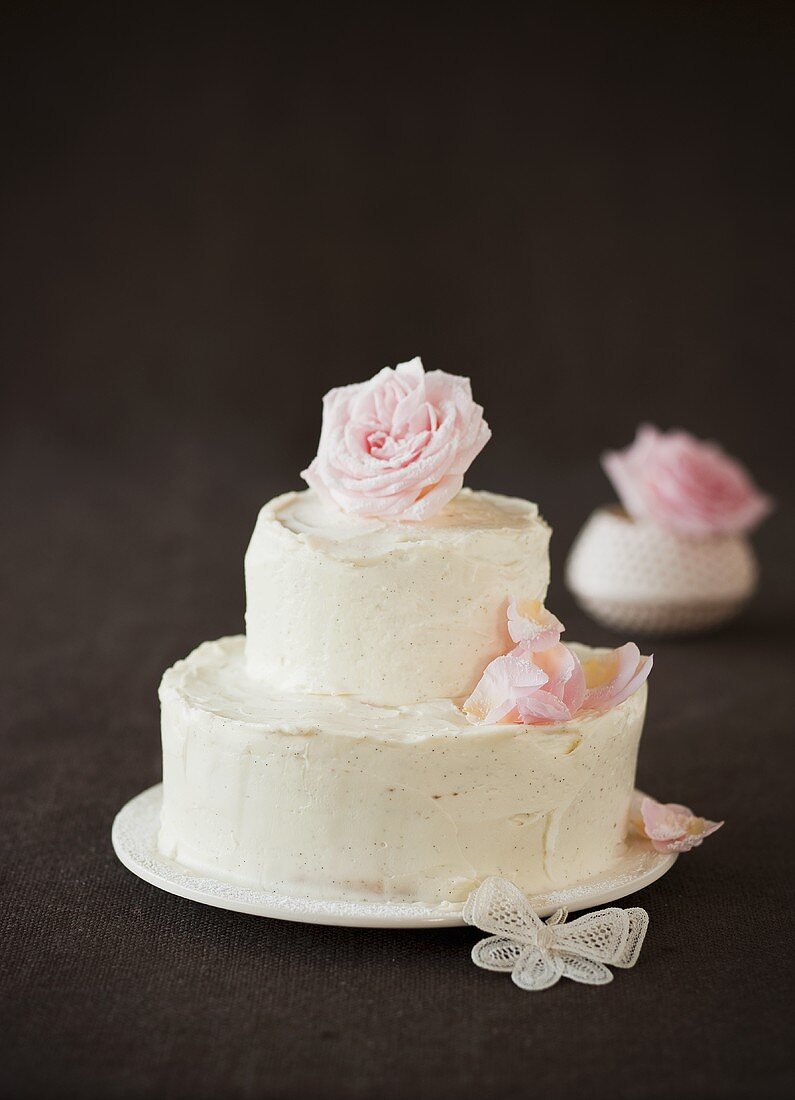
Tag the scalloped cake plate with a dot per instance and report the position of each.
(134, 841)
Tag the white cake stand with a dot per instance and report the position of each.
(134, 841)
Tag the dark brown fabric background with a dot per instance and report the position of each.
(210, 218)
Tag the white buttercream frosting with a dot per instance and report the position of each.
(337, 797)
(392, 612)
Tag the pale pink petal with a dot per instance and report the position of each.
(542, 707)
(574, 688)
(532, 626)
(622, 469)
(566, 678)
(506, 680)
(663, 821)
(431, 502)
(410, 404)
(613, 669)
(316, 481)
(674, 828)
(612, 677)
(424, 469)
(412, 373)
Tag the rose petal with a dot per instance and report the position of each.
(505, 681)
(610, 678)
(532, 626)
(674, 828)
(566, 677)
(541, 707)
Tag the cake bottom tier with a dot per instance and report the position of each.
(332, 797)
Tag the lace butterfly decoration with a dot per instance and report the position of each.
(539, 953)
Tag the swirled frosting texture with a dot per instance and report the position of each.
(340, 798)
(391, 612)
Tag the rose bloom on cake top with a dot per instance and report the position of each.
(676, 556)
(398, 445)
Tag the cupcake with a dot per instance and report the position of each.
(675, 555)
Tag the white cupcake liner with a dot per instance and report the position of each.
(633, 575)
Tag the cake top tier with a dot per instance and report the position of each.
(394, 612)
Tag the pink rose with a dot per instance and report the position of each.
(685, 484)
(398, 446)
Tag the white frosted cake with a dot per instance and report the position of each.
(401, 719)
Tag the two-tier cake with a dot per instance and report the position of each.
(401, 719)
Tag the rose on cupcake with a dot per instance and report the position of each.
(685, 484)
